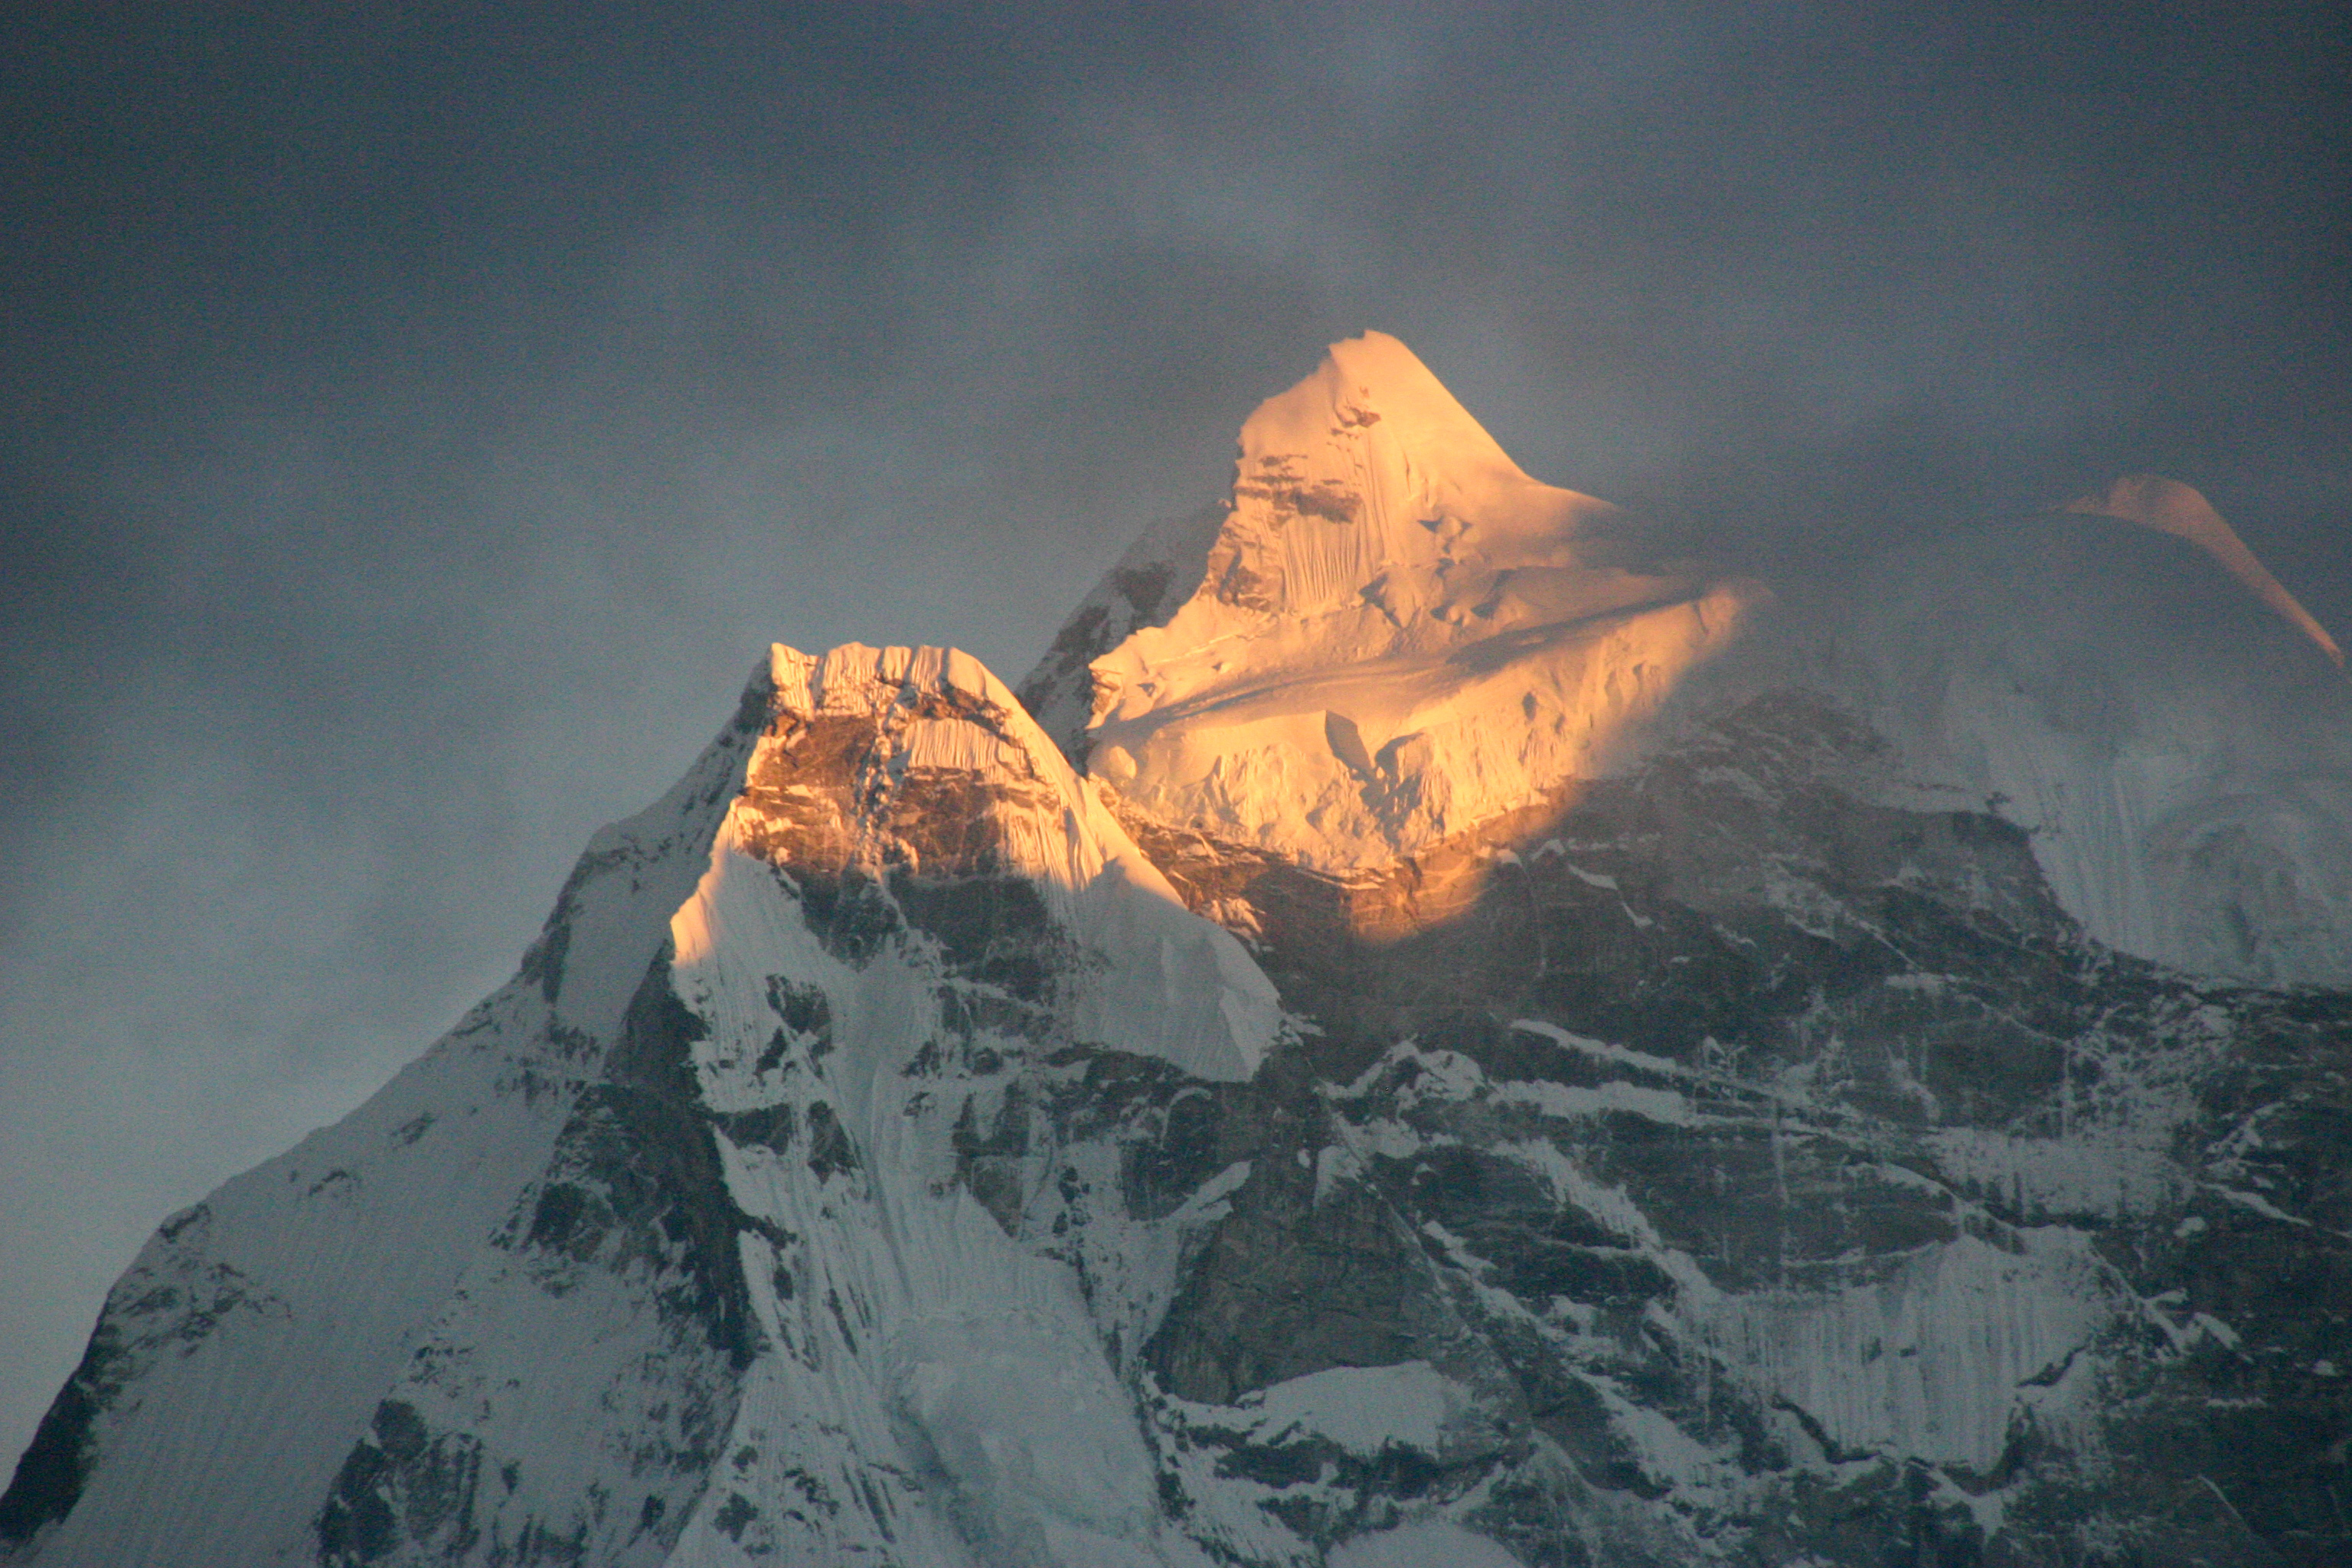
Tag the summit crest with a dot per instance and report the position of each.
(1389, 635)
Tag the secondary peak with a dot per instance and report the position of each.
(2173, 508)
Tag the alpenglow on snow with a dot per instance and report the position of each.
(1420, 1036)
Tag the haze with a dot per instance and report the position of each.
(419, 425)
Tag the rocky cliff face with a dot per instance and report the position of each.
(1503, 1056)
(1805, 1188)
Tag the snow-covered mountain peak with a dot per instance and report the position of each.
(1373, 441)
(1391, 634)
(921, 759)
(1368, 486)
(888, 774)
(2173, 508)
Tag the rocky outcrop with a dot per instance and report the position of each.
(1781, 1178)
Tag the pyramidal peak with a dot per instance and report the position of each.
(1375, 428)
(1390, 637)
(1389, 634)
(1367, 485)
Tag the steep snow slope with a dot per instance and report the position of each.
(243, 1352)
(2179, 749)
(1392, 635)
(912, 917)
(686, 1216)
(913, 1343)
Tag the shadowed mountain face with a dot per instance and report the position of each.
(1803, 1185)
(1505, 1055)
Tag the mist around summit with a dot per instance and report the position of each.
(1435, 1026)
(420, 419)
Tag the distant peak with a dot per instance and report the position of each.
(2173, 508)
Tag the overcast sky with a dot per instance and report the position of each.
(416, 420)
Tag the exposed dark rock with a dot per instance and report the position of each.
(1719, 921)
(51, 1475)
(1287, 1287)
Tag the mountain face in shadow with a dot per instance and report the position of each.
(1420, 1036)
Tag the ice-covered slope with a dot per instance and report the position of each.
(913, 906)
(247, 1348)
(1391, 634)
(2178, 747)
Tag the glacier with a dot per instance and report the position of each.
(1420, 1035)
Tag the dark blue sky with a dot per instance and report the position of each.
(418, 418)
